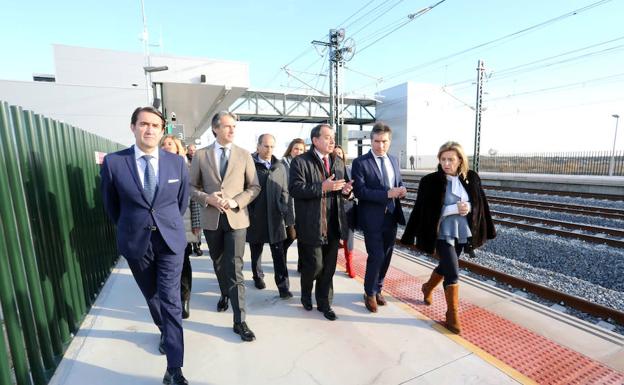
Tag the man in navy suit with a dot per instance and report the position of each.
(145, 192)
(378, 187)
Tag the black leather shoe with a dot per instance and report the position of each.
(197, 250)
(161, 344)
(186, 308)
(330, 315)
(243, 331)
(307, 303)
(222, 305)
(259, 283)
(286, 294)
(176, 379)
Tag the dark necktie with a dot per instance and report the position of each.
(149, 178)
(326, 163)
(386, 183)
(223, 162)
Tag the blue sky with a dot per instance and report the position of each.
(562, 103)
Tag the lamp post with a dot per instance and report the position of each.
(148, 73)
(612, 162)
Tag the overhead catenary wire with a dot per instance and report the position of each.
(411, 17)
(355, 13)
(504, 38)
(560, 87)
(532, 65)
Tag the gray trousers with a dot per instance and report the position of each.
(227, 247)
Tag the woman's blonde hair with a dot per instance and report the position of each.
(180, 148)
(459, 150)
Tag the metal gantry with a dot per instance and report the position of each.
(261, 106)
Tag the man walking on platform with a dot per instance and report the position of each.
(223, 181)
(378, 186)
(317, 184)
(267, 214)
(145, 193)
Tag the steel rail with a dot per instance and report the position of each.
(550, 294)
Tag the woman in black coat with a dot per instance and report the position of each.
(347, 239)
(451, 215)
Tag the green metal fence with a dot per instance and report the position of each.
(56, 246)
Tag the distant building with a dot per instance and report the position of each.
(97, 89)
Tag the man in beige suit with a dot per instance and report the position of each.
(223, 181)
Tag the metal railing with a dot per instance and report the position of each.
(56, 246)
(568, 163)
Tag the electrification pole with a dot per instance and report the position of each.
(337, 56)
(477, 140)
(336, 36)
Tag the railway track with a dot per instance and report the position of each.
(594, 234)
(569, 208)
(592, 211)
(539, 290)
(608, 197)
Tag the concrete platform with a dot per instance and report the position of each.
(117, 343)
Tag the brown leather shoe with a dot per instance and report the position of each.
(371, 303)
(381, 301)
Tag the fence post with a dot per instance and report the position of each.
(16, 175)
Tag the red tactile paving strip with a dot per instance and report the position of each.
(535, 356)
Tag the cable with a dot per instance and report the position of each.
(366, 14)
(554, 88)
(500, 39)
(526, 67)
(410, 18)
(356, 12)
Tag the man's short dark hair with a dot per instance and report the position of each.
(381, 128)
(316, 131)
(217, 118)
(151, 110)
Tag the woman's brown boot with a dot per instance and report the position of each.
(451, 292)
(427, 287)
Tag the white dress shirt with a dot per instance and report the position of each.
(218, 151)
(387, 166)
(141, 163)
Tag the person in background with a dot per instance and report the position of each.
(266, 215)
(317, 184)
(145, 193)
(347, 241)
(379, 189)
(295, 148)
(172, 144)
(190, 152)
(451, 213)
(224, 181)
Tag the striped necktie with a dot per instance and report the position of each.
(149, 178)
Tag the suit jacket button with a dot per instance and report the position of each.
(152, 211)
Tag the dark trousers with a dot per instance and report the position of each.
(279, 264)
(448, 267)
(318, 263)
(186, 281)
(286, 244)
(379, 247)
(349, 239)
(158, 275)
(226, 247)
